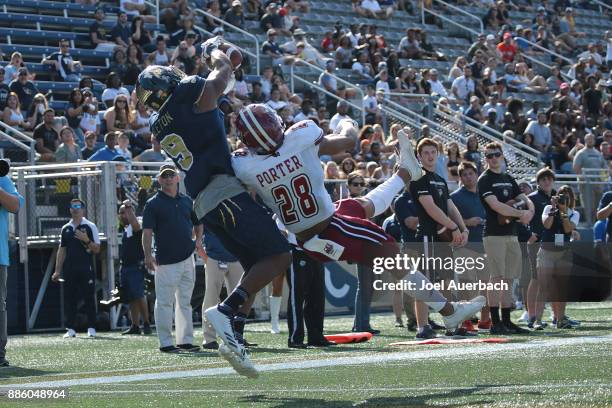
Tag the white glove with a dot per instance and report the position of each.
(210, 45)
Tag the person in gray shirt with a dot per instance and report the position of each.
(542, 138)
(590, 158)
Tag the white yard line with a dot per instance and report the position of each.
(479, 349)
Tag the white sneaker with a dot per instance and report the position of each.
(91, 332)
(240, 362)
(524, 317)
(69, 333)
(407, 158)
(275, 305)
(234, 352)
(275, 326)
(463, 311)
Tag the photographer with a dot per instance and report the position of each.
(555, 256)
(132, 269)
(10, 201)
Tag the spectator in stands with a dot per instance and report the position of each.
(154, 154)
(437, 88)
(90, 120)
(271, 48)
(256, 95)
(121, 33)
(134, 64)
(362, 69)
(4, 89)
(140, 122)
(47, 139)
(24, 89)
(271, 19)
(464, 86)
(68, 151)
(37, 110)
(140, 35)
(113, 89)
(235, 15)
(479, 45)
(507, 48)
(542, 137)
(67, 68)
(457, 69)
(341, 113)
(12, 115)
(188, 28)
(161, 55)
(118, 116)
(589, 158)
(97, 33)
(215, 9)
(298, 5)
(119, 62)
(13, 67)
(184, 59)
(310, 53)
(409, 46)
(136, 9)
(74, 112)
(344, 53)
(123, 147)
(90, 144)
(474, 111)
(108, 152)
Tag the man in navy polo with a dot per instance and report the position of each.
(108, 152)
(79, 241)
(472, 211)
(170, 216)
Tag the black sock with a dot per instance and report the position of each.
(233, 302)
(505, 314)
(494, 311)
(238, 323)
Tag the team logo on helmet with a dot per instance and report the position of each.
(259, 127)
(155, 85)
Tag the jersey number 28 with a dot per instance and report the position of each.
(174, 145)
(300, 193)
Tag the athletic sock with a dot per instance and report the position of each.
(505, 314)
(233, 302)
(494, 311)
(238, 323)
(383, 195)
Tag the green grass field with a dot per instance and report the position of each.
(553, 368)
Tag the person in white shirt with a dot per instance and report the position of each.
(135, 8)
(383, 83)
(436, 85)
(362, 68)
(463, 87)
(370, 104)
(275, 102)
(341, 114)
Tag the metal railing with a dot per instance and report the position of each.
(241, 31)
(602, 5)
(294, 76)
(155, 6)
(444, 18)
(454, 8)
(402, 97)
(14, 135)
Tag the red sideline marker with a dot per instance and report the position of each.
(343, 338)
(450, 341)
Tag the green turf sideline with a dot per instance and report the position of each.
(318, 363)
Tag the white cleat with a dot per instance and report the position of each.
(70, 333)
(463, 311)
(240, 362)
(407, 158)
(91, 332)
(275, 327)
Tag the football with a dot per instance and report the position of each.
(233, 53)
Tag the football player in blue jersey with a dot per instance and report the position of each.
(190, 129)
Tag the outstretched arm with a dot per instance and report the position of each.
(346, 139)
(216, 82)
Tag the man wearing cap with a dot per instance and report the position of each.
(271, 48)
(74, 264)
(170, 217)
(235, 15)
(24, 88)
(108, 152)
(507, 48)
(310, 53)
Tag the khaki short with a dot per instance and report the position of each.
(504, 256)
(559, 261)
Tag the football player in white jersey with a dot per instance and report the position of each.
(283, 167)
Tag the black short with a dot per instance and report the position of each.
(246, 230)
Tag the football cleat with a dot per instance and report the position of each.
(69, 333)
(407, 159)
(463, 311)
(240, 362)
(222, 324)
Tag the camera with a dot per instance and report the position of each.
(5, 167)
(562, 199)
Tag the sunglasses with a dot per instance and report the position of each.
(76, 206)
(492, 155)
(168, 174)
(358, 184)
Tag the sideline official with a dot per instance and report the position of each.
(169, 215)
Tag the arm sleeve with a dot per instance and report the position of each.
(484, 188)
(419, 189)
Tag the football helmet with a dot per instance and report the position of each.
(155, 85)
(259, 127)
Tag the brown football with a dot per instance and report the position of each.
(233, 53)
(519, 205)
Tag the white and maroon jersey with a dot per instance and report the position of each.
(290, 181)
